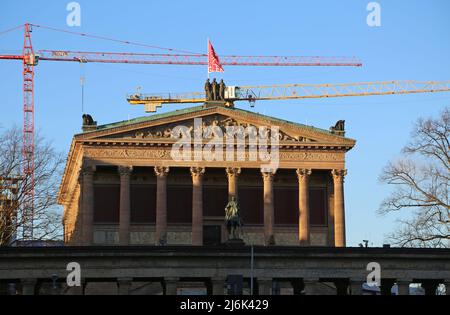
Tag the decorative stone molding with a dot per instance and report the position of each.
(211, 125)
(268, 175)
(127, 153)
(125, 171)
(161, 171)
(339, 174)
(197, 171)
(115, 152)
(87, 170)
(311, 156)
(233, 172)
(303, 173)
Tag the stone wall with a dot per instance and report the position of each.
(182, 235)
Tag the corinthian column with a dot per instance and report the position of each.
(339, 208)
(268, 208)
(125, 204)
(197, 205)
(303, 206)
(233, 174)
(88, 204)
(161, 205)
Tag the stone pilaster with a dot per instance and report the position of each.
(217, 285)
(29, 286)
(171, 286)
(356, 286)
(88, 204)
(161, 205)
(403, 287)
(78, 290)
(197, 205)
(339, 208)
(124, 285)
(233, 175)
(264, 286)
(310, 286)
(268, 208)
(430, 287)
(386, 286)
(125, 204)
(303, 206)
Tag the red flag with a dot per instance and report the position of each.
(213, 60)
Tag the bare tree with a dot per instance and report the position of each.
(47, 223)
(422, 182)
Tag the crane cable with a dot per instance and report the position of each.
(82, 83)
(116, 40)
(10, 30)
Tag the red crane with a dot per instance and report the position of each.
(30, 59)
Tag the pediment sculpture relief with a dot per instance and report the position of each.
(165, 132)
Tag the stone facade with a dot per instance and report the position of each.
(185, 269)
(123, 186)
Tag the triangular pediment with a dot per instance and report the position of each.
(167, 126)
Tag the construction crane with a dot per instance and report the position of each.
(188, 59)
(291, 91)
(30, 58)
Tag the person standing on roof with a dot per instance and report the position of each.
(215, 90)
(222, 87)
(208, 90)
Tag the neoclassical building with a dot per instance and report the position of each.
(122, 184)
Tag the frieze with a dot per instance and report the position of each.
(165, 154)
(127, 153)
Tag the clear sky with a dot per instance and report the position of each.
(412, 43)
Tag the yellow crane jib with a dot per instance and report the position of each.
(292, 91)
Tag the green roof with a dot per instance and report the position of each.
(197, 109)
(150, 118)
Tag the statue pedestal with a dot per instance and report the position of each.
(218, 103)
(235, 242)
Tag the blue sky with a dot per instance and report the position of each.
(412, 43)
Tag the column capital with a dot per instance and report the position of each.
(161, 171)
(233, 171)
(267, 175)
(125, 170)
(88, 170)
(338, 174)
(303, 173)
(197, 171)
